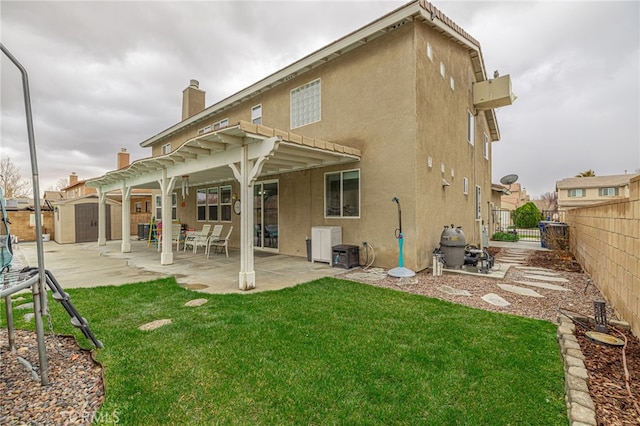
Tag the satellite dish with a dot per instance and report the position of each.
(508, 179)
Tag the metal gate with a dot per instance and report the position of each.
(503, 222)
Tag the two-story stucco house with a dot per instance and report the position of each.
(584, 191)
(400, 108)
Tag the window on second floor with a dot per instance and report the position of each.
(485, 146)
(577, 193)
(221, 124)
(608, 192)
(256, 114)
(470, 128)
(166, 148)
(305, 104)
(204, 130)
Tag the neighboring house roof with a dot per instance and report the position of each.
(595, 181)
(419, 9)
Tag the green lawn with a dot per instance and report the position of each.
(325, 352)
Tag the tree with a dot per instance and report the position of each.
(11, 180)
(586, 173)
(549, 201)
(527, 216)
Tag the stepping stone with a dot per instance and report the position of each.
(196, 302)
(365, 276)
(407, 281)
(28, 317)
(544, 273)
(520, 290)
(453, 291)
(25, 306)
(154, 324)
(547, 278)
(543, 285)
(535, 268)
(494, 299)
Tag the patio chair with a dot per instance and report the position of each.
(197, 239)
(215, 235)
(219, 243)
(176, 230)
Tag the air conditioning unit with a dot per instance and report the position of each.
(493, 93)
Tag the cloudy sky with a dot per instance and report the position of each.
(108, 75)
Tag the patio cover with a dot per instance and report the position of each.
(243, 152)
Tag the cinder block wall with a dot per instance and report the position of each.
(605, 239)
(21, 224)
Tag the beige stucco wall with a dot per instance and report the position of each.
(605, 238)
(388, 100)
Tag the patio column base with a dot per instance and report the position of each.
(247, 280)
(166, 258)
(126, 247)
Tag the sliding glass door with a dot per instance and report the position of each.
(265, 215)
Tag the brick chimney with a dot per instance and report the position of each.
(73, 178)
(123, 158)
(192, 100)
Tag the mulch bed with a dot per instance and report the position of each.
(607, 377)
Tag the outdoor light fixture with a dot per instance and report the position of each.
(185, 186)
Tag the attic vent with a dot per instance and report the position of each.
(397, 25)
(289, 77)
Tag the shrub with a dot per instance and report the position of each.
(527, 216)
(505, 236)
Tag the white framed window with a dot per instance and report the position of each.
(256, 114)
(204, 130)
(453, 174)
(174, 206)
(478, 202)
(342, 194)
(201, 205)
(166, 149)
(306, 104)
(442, 168)
(429, 162)
(225, 203)
(442, 69)
(212, 204)
(577, 193)
(470, 128)
(485, 146)
(608, 192)
(452, 83)
(207, 204)
(221, 124)
(429, 51)
(465, 185)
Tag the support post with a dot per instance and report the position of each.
(126, 219)
(102, 225)
(166, 186)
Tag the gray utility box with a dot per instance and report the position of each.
(346, 256)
